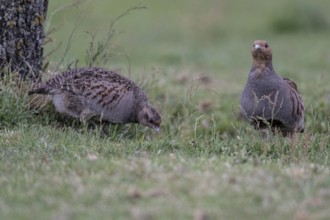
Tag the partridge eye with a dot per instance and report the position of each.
(266, 45)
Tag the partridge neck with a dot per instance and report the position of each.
(259, 63)
(261, 68)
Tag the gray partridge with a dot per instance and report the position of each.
(86, 93)
(269, 100)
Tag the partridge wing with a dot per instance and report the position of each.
(297, 102)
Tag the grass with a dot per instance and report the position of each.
(192, 59)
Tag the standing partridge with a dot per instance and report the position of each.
(86, 93)
(269, 100)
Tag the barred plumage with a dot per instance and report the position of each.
(96, 92)
(269, 100)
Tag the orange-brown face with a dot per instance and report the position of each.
(261, 50)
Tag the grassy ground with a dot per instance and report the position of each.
(192, 59)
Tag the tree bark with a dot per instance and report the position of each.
(22, 37)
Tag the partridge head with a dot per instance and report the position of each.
(149, 117)
(261, 51)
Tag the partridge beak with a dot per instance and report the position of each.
(257, 46)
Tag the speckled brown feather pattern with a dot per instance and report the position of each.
(269, 99)
(87, 92)
(296, 99)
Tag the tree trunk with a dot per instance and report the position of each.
(22, 37)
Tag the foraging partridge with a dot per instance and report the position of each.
(86, 93)
(269, 100)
